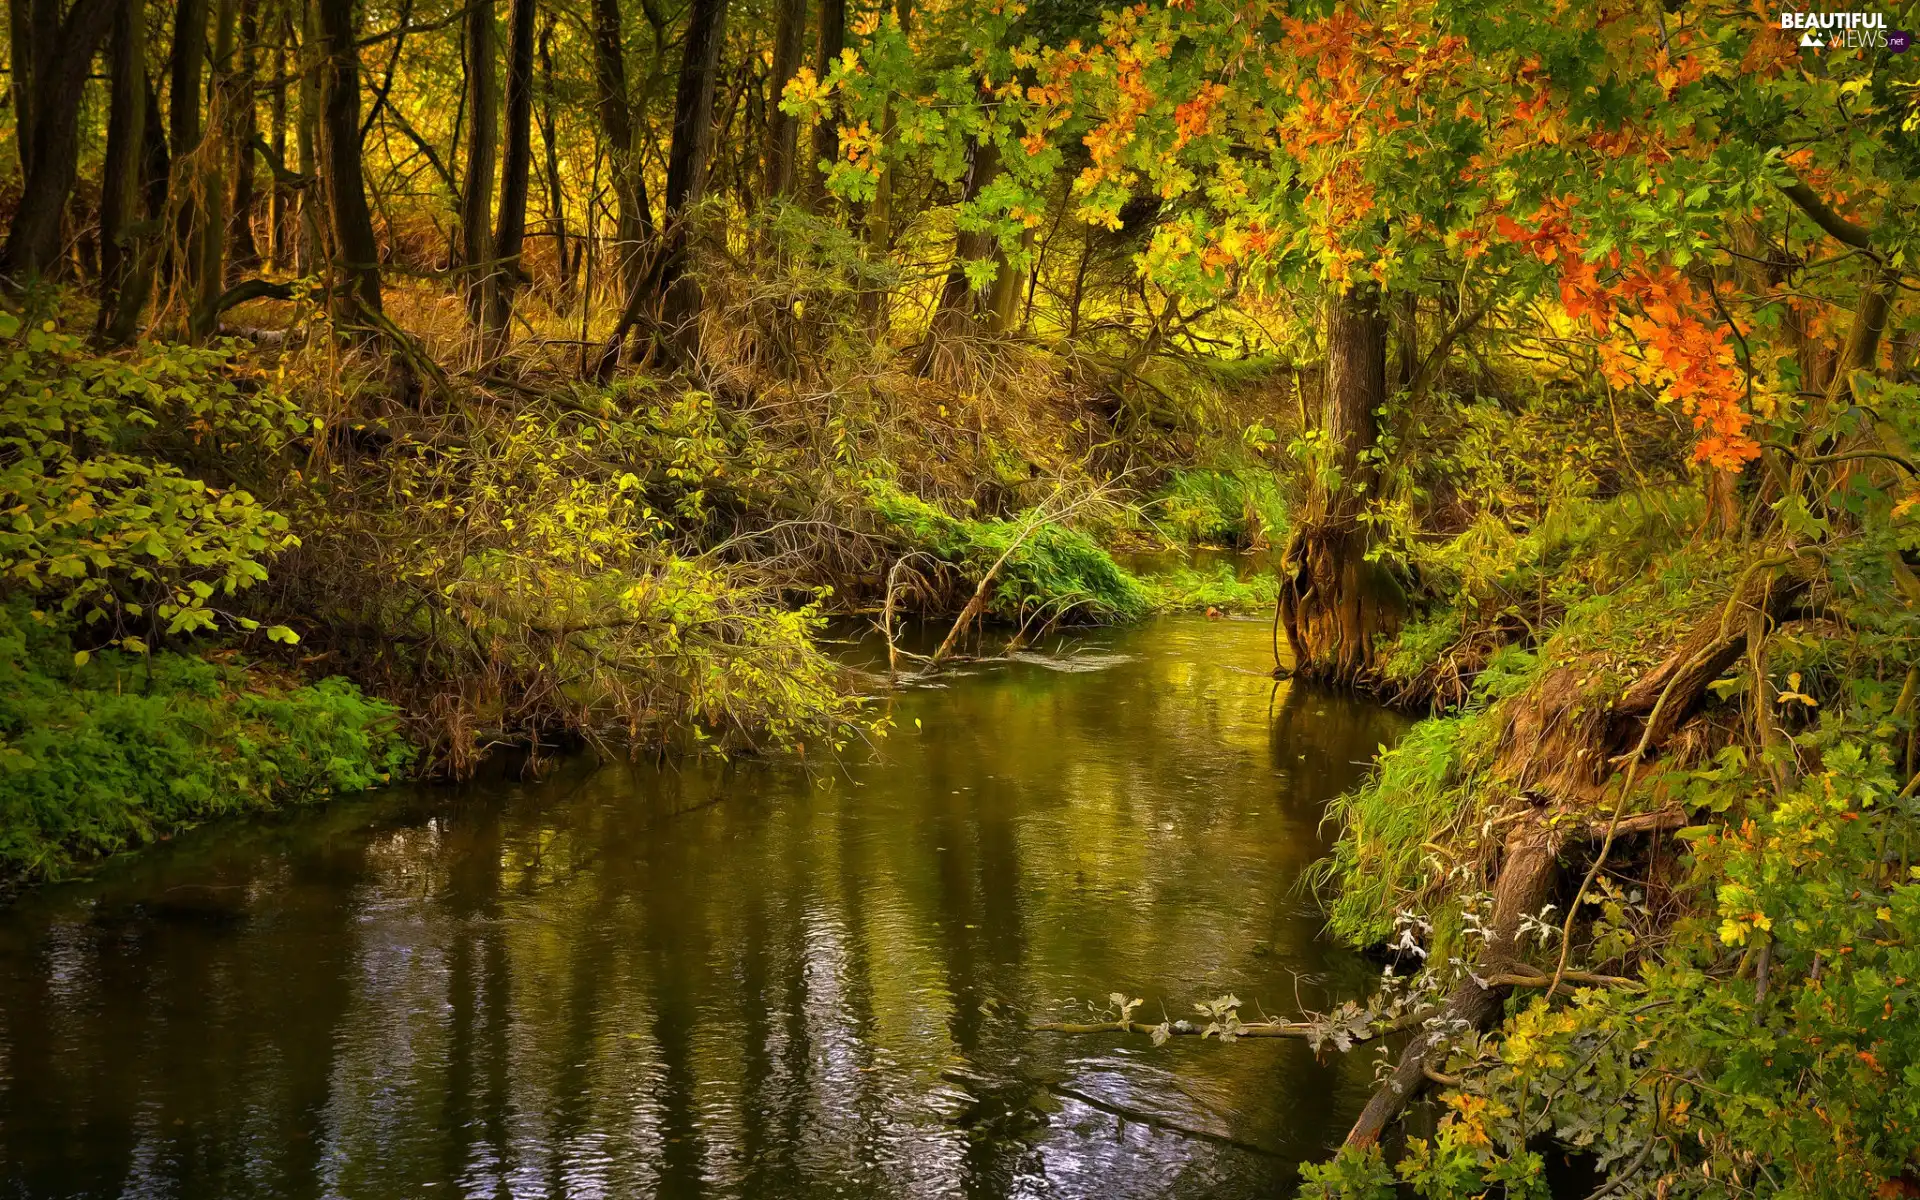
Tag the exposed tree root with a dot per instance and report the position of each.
(1528, 871)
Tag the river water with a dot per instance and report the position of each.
(764, 979)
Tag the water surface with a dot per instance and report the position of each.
(769, 979)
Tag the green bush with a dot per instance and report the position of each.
(102, 526)
(113, 752)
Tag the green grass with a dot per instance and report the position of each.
(1220, 508)
(1188, 589)
(113, 753)
(1055, 569)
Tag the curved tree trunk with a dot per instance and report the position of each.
(1528, 869)
(1333, 602)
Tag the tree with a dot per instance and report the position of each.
(687, 175)
(633, 219)
(483, 138)
(1335, 603)
(244, 124)
(121, 183)
(832, 40)
(789, 37)
(56, 74)
(511, 233)
(356, 289)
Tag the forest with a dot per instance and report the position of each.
(390, 389)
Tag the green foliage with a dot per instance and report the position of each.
(1226, 508)
(1187, 589)
(523, 580)
(1421, 792)
(1700, 1084)
(123, 748)
(1349, 1175)
(93, 521)
(1054, 569)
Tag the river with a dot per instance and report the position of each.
(791, 978)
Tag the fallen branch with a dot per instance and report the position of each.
(1301, 1030)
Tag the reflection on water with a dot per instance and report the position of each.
(753, 981)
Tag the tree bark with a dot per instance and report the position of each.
(310, 250)
(243, 251)
(483, 136)
(953, 312)
(632, 220)
(686, 175)
(1333, 602)
(208, 244)
(356, 293)
(510, 236)
(826, 132)
(186, 99)
(556, 193)
(121, 176)
(279, 229)
(783, 131)
(1003, 304)
(1529, 865)
(33, 241)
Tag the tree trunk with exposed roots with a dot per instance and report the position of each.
(1334, 604)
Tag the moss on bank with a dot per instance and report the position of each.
(116, 750)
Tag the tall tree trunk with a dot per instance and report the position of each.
(1335, 603)
(616, 123)
(121, 175)
(20, 29)
(209, 243)
(953, 312)
(510, 236)
(789, 43)
(310, 248)
(556, 194)
(687, 174)
(879, 216)
(156, 169)
(826, 132)
(279, 214)
(33, 242)
(244, 253)
(483, 137)
(186, 102)
(356, 294)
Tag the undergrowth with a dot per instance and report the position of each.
(123, 748)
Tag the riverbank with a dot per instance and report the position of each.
(239, 584)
